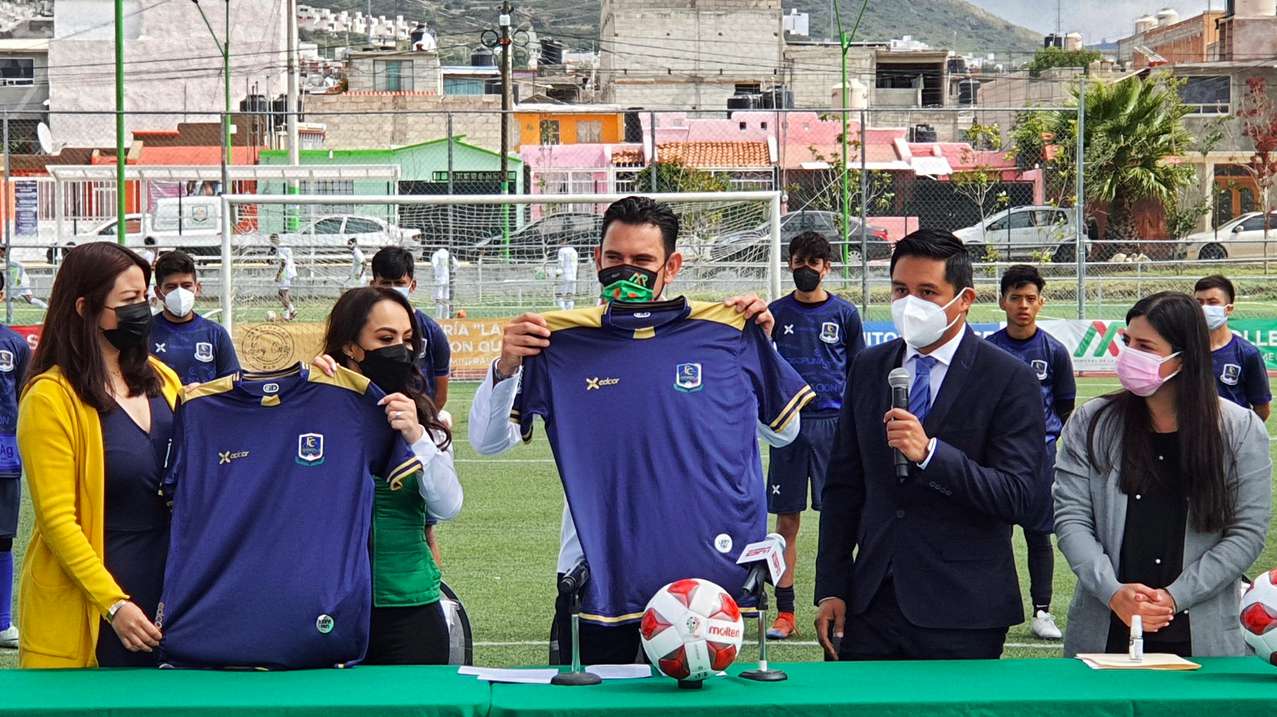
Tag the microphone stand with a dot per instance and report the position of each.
(576, 677)
(758, 587)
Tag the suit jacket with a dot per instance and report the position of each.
(944, 532)
(1090, 515)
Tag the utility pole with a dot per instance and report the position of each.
(120, 206)
(844, 44)
(223, 47)
(292, 104)
(507, 67)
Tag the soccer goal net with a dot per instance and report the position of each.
(502, 254)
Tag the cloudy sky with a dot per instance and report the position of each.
(1095, 19)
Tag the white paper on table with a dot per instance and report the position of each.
(620, 672)
(1151, 661)
(523, 677)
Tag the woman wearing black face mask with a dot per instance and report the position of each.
(370, 331)
(94, 427)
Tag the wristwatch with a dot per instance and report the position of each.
(110, 613)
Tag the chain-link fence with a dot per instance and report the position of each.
(1002, 179)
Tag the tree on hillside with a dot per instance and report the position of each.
(1134, 133)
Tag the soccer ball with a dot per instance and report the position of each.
(691, 629)
(272, 316)
(1259, 616)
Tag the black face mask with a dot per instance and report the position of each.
(624, 282)
(806, 278)
(391, 368)
(133, 326)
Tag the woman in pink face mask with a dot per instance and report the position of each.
(1162, 495)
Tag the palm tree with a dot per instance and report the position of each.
(1134, 132)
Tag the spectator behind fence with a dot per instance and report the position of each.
(1162, 495)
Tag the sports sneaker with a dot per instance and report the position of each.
(9, 637)
(784, 627)
(1043, 626)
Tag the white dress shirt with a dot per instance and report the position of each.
(492, 432)
(943, 356)
(438, 484)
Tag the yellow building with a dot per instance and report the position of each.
(568, 124)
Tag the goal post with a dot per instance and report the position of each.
(503, 248)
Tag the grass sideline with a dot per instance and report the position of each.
(500, 554)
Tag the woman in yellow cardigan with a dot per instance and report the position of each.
(93, 425)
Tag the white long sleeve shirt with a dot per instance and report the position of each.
(438, 485)
(492, 433)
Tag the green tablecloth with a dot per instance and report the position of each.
(1224, 687)
(1227, 687)
(379, 691)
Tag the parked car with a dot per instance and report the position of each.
(540, 240)
(751, 245)
(105, 231)
(334, 230)
(1241, 238)
(1023, 233)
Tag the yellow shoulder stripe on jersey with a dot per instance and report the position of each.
(645, 333)
(716, 311)
(345, 378)
(402, 472)
(212, 388)
(591, 318)
(793, 408)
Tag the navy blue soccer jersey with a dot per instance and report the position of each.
(819, 341)
(652, 413)
(15, 354)
(272, 480)
(198, 350)
(1051, 365)
(1240, 373)
(435, 358)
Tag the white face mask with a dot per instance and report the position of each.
(1216, 316)
(919, 322)
(180, 302)
(404, 291)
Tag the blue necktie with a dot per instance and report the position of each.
(920, 392)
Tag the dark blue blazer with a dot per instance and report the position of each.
(945, 532)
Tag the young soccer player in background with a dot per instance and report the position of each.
(15, 354)
(1240, 373)
(1021, 298)
(818, 334)
(285, 272)
(197, 349)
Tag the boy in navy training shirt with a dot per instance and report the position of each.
(15, 354)
(197, 349)
(1240, 373)
(818, 334)
(1021, 298)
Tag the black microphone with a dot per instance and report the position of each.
(898, 379)
(575, 579)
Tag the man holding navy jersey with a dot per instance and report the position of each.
(818, 334)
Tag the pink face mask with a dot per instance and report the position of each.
(1140, 372)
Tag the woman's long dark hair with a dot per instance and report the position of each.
(1178, 319)
(347, 320)
(70, 341)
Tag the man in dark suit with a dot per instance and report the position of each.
(933, 574)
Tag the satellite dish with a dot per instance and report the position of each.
(45, 136)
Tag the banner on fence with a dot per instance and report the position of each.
(26, 211)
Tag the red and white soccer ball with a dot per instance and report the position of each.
(1259, 616)
(691, 629)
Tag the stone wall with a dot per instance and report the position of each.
(393, 119)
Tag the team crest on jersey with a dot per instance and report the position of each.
(1231, 375)
(687, 377)
(829, 332)
(1039, 368)
(204, 352)
(310, 449)
(6, 361)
